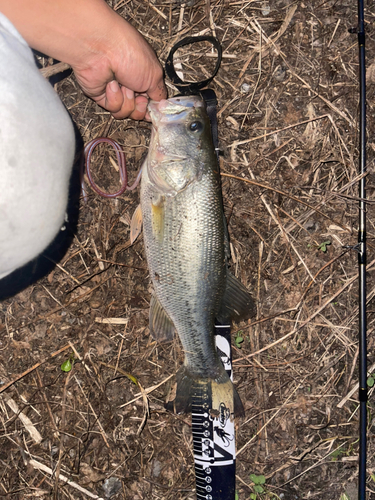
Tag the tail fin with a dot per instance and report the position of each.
(221, 392)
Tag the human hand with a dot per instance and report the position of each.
(125, 75)
(113, 63)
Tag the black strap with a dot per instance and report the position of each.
(187, 88)
(209, 97)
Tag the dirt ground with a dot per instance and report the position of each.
(288, 130)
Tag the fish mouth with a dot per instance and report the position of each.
(172, 109)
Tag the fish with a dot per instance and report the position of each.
(186, 246)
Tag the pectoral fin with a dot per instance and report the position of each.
(237, 303)
(136, 224)
(157, 217)
(161, 327)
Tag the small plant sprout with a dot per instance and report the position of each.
(335, 455)
(371, 380)
(239, 339)
(323, 246)
(260, 491)
(258, 481)
(68, 364)
(344, 496)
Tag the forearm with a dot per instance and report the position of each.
(112, 62)
(63, 29)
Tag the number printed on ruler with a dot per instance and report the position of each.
(213, 442)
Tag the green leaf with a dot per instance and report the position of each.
(371, 381)
(236, 496)
(336, 454)
(253, 496)
(239, 341)
(66, 366)
(261, 479)
(258, 488)
(132, 378)
(323, 246)
(254, 478)
(344, 496)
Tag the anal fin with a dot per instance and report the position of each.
(161, 326)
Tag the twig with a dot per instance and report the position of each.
(264, 186)
(282, 229)
(270, 420)
(317, 274)
(102, 431)
(354, 389)
(40, 384)
(146, 413)
(252, 139)
(314, 465)
(29, 426)
(39, 466)
(57, 309)
(262, 49)
(147, 391)
(59, 460)
(29, 370)
(181, 18)
(312, 316)
(54, 69)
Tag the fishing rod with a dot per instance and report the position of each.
(361, 248)
(362, 260)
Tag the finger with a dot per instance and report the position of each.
(123, 105)
(114, 98)
(140, 108)
(135, 111)
(158, 91)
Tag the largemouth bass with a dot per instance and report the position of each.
(185, 237)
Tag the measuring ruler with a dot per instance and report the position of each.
(214, 444)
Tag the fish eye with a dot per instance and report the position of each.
(196, 126)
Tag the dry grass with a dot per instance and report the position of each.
(288, 103)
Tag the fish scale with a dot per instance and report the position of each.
(185, 238)
(182, 260)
